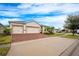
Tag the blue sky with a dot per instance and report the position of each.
(51, 14)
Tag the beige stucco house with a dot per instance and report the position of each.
(22, 27)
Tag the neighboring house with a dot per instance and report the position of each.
(22, 27)
(78, 31)
(1, 28)
(56, 30)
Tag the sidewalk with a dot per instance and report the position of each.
(52, 46)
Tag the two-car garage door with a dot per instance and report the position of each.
(17, 30)
(33, 30)
(20, 30)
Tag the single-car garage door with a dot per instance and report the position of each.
(33, 30)
(17, 30)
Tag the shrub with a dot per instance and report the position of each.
(6, 31)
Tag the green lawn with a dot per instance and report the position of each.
(66, 35)
(4, 40)
(55, 34)
(71, 36)
(4, 51)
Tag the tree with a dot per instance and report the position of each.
(49, 29)
(72, 23)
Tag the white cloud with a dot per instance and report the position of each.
(9, 13)
(52, 19)
(69, 8)
(24, 6)
(41, 8)
(46, 8)
(57, 21)
(6, 21)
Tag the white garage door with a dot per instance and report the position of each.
(17, 30)
(33, 30)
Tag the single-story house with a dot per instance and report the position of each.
(56, 30)
(23, 27)
(1, 28)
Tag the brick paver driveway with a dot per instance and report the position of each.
(51, 46)
(25, 37)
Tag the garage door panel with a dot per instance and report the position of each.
(33, 30)
(17, 29)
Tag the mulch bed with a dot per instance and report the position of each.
(24, 37)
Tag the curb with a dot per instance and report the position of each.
(69, 51)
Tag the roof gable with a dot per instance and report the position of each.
(32, 24)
